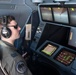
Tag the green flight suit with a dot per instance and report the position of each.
(12, 62)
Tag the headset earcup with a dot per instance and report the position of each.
(6, 32)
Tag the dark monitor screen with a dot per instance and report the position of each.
(65, 56)
(46, 13)
(60, 15)
(49, 49)
(72, 37)
(72, 15)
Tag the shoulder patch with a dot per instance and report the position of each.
(14, 54)
(21, 67)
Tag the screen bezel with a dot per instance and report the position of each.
(47, 6)
(53, 6)
(68, 44)
(71, 6)
(46, 46)
(61, 6)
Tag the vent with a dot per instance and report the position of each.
(7, 6)
(4, 0)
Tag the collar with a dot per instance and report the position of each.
(7, 44)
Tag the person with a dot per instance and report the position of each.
(11, 62)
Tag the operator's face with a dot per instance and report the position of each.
(15, 29)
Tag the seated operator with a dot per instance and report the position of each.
(11, 62)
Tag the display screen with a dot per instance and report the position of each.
(72, 37)
(72, 15)
(46, 13)
(65, 57)
(60, 15)
(49, 49)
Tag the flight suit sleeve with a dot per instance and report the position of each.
(19, 68)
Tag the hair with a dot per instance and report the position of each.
(10, 18)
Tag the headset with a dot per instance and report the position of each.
(5, 31)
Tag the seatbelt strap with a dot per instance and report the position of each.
(5, 73)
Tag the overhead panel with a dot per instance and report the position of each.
(13, 1)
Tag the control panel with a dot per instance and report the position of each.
(65, 57)
(37, 36)
(59, 55)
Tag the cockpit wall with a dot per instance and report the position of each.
(17, 8)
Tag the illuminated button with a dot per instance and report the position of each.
(72, 9)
